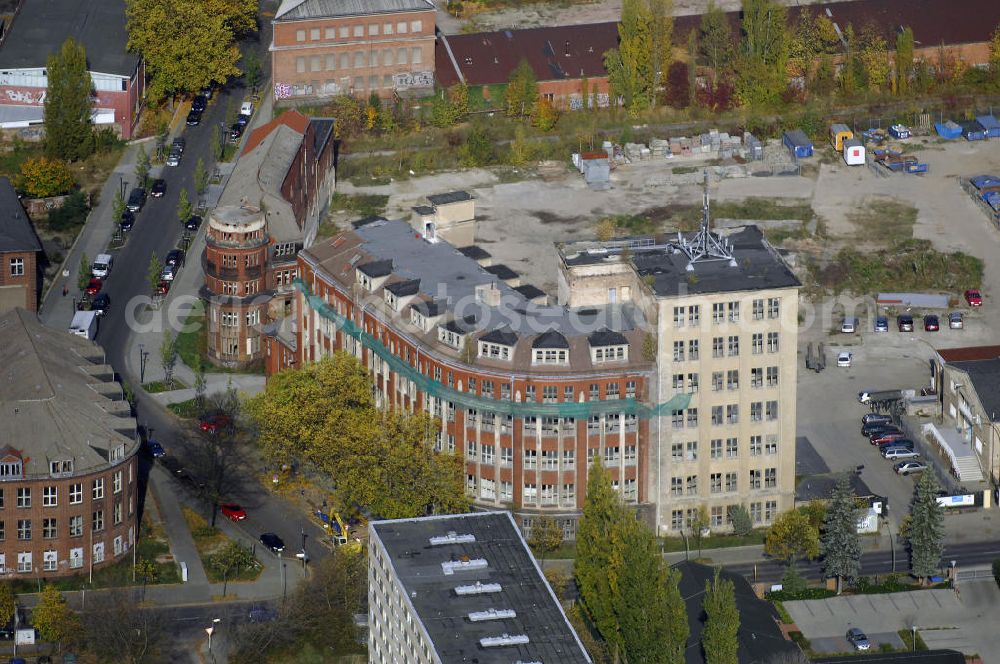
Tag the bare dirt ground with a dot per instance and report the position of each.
(551, 13)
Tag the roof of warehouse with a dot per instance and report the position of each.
(445, 615)
(41, 27)
(967, 353)
(291, 10)
(985, 377)
(571, 51)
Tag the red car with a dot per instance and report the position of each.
(163, 287)
(888, 437)
(215, 423)
(94, 286)
(974, 298)
(233, 512)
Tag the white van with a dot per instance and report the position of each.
(101, 267)
(84, 324)
(246, 108)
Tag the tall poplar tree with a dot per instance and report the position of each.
(715, 39)
(926, 536)
(764, 49)
(630, 67)
(68, 131)
(662, 13)
(840, 544)
(904, 60)
(722, 622)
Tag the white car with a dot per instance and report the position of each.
(168, 273)
(246, 108)
(844, 359)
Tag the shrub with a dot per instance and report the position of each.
(42, 177)
(740, 518)
(72, 213)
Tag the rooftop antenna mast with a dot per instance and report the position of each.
(705, 245)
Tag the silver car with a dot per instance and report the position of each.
(858, 639)
(174, 158)
(910, 467)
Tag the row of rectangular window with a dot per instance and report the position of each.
(724, 346)
(359, 60)
(50, 525)
(758, 445)
(766, 478)
(359, 30)
(50, 494)
(546, 494)
(729, 379)
(720, 516)
(550, 393)
(723, 311)
(50, 559)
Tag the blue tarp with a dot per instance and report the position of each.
(948, 130)
(983, 181)
(990, 124)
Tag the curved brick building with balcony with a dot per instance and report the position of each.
(236, 248)
(68, 454)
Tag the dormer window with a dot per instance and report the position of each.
(608, 346)
(61, 467)
(391, 299)
(116, 453)
(550, 348)
(417, 318)
(11, 470)
(451, 337)
(498, 345)
(399, 291)
(364, 280)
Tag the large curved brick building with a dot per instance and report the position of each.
(647, 364)
(68, 454)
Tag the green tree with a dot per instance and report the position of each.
(762, 71)
(478, 149)
(649, 611)
(874, 58)
(68, 131)
(146, 571)
(520, 148)
(84, 272)
(692, 63)
(522, 91)
(995, 55)
(699, 524)
(41, 177)
(168, 357)
(199, 386)
(153, 271)
(232, 558)
(142, 166)
(824, 77)
(662, 15)
(630, 67)
(791, 536)
(184, 208)
(8, 604)
(546, 535)
(793, 581)
(840, 544)
(595, 548)
(926, 532)
(815, 513)
(186, 44)
(118, 206)
(200, 177)
(716, 41)
(53, 618)
(251, 69)
(904, 60)
(740, 518)
(722, 622)
(545, 115)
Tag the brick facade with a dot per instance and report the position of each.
(19, 272)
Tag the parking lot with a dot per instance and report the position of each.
(961, 620)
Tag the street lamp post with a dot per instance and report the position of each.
(211, 630)
(142, 364)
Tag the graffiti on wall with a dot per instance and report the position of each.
(282, 90)
(413, 79)
(25, 97)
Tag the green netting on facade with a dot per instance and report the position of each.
(439, 390)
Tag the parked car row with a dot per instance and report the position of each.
(881, 430)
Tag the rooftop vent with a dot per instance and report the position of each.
(504, 640)
(449, 567)
(492, 614)
(478, 588)
(452, 538)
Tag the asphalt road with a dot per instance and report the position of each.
(972, 553)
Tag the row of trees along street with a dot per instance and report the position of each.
(830, 532)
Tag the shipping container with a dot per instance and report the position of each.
(990, 124)
(839, 133)
(798, 143)
(973, 131)
(948, 129)
(854, 152)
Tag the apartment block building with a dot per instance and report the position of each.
(322, 48)
(69, 471)
(19, 248)
(474, 593)
(670, 359)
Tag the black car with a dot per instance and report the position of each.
(193, 223)
(136, 199)
(876, 418)
(127, 221)
(905, 323)
(200, 103)
(207, 91)
(158, 189)
(931, 323)
(272, 542)
(194, 118)
(242, 119)
(101, 303)
(868, 430)
(175, 257)
(236, 131)
(177, 145)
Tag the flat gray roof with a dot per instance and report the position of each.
(16, 231)
(445, 614)
(41, 27)
(985, 377)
